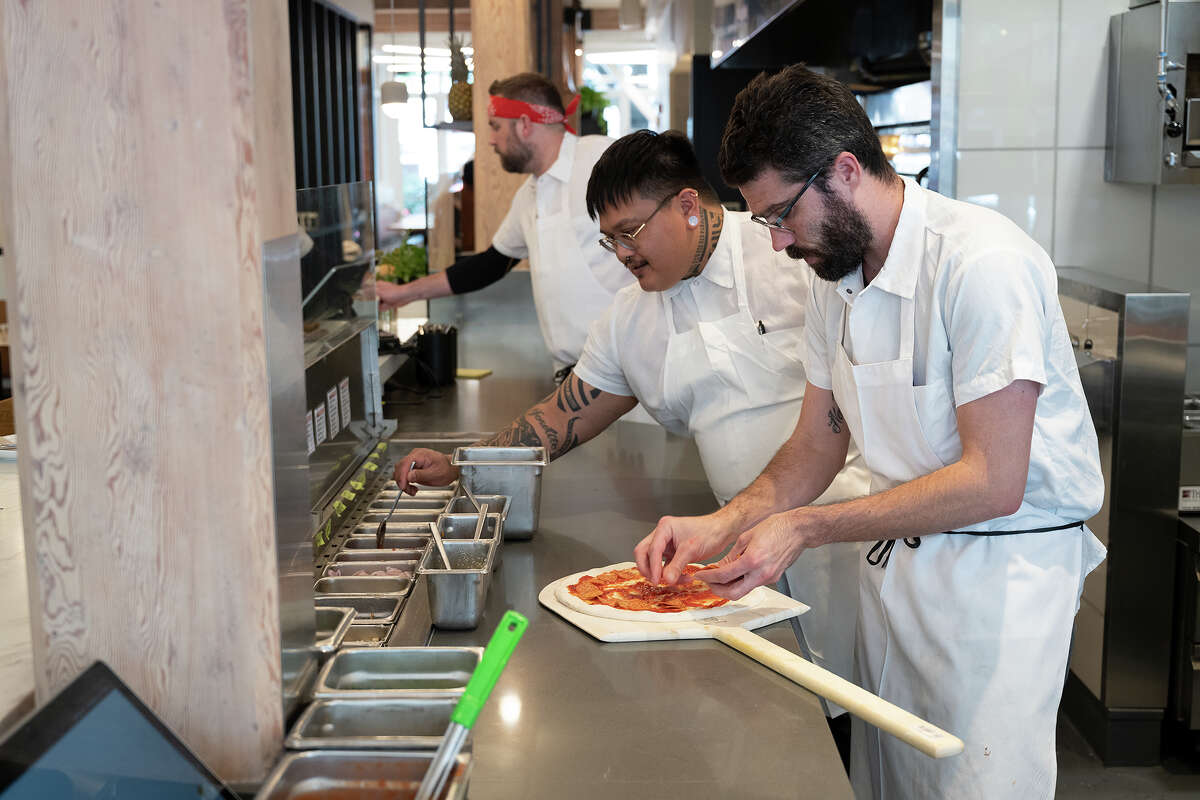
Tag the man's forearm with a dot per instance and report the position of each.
(571, 415)
(427, 288)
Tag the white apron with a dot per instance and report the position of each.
(739, 392)
(970, 632)
(566, 293)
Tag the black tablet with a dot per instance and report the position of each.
(95, 740)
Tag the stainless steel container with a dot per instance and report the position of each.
(512, 471)
(370, 569)
(370, 774)
(462, 526)
(368, 610)
(442, 493)
(400, 515)
(410, 504)
(401, 724)
(344, 556)
(391, 672)
(299, 672)
(332, 624)
(457, 595)
(496, 503)
(408, 538)
(331, 587)
(374, 635)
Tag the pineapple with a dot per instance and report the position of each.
(459, 98)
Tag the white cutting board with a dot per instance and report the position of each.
(771, 607)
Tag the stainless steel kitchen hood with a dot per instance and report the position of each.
(868, 44)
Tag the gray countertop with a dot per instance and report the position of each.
(575, 717)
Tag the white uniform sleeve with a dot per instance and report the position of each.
(509, 238)
(997, 324)
(818, 369)
(600, 362)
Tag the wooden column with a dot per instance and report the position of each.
(149, 162)
(502, 34)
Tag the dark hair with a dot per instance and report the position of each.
(796, 122)
(654, 165)
(529, 87)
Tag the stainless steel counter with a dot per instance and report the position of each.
(575, 717)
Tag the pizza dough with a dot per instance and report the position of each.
(562, 594)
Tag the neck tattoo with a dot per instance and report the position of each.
(710, 231)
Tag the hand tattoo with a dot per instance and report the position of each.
(836, 420)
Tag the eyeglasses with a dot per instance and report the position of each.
(629, 240)
(777, 223)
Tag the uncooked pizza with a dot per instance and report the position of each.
(627, 589)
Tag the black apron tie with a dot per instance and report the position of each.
(881, 551)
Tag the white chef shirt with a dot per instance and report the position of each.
(987, 314)
(626, 348)
(542, 196)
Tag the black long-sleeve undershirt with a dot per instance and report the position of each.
(475, 272)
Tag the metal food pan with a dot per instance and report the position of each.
(397, 672)
(390, 569)
(496, 503)
(462, 526)
(515, 472)
(411, 504)
(373, 774)
(457, 595)
(362, 585)
(400, 515)
(416, 723)
(364, 538)
(374, 635)
(368, 610)
(332, 624)
(344, 556)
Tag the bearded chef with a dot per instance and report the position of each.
(573, 278)
(708, 341)
(935, 341)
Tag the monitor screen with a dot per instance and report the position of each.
(97, 741)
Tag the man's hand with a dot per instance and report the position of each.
(680, 540)
(392, 295)
(427, 467)
(760, 555)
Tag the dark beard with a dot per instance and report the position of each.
(845, 237)
(518, 159)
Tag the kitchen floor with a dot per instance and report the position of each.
(1081, 775)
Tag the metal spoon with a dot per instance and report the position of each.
(441, 548)
(382, 529)
(479, 522)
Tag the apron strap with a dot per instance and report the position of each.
(881, 551)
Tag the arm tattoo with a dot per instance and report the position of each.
(836, 420)
(519, 434)
(573, 396)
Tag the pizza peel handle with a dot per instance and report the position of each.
(929, 739)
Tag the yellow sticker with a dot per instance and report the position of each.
(349, 495)
(371, 466)
(359, 481)
(339, 506)
(379, 448)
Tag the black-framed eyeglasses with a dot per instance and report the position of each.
(777, 223)
(629, 240)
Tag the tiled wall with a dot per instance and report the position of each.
(1031, 115)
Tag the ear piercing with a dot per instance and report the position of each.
(693, 220)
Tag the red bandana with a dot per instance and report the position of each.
(505, 108)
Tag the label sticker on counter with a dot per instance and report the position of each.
(360, 480)
(339, 507)
(344, 398)
(349, 495)
(308, 433)
(319, 422)
(372, 466)
(331, 402)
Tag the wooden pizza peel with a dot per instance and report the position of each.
(765, 607)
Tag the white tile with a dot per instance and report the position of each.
(1007, 78)
(1083, 70)
(1176, 263)
(1100, 226)
(1017, 183)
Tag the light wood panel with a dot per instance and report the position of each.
(143, 186)
(502, 34)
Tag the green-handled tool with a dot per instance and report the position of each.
(495, 657)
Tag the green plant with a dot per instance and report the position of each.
(593, 102)
(403, 264)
